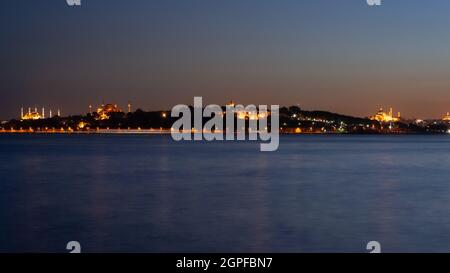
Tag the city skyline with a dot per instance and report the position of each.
(341, 57)
(34, 113)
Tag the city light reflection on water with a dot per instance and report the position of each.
(147, 193)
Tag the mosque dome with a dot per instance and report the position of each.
(447, 117)
(104, 111)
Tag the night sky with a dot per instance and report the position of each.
(341, 56)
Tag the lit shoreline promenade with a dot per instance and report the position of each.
(126, 131)
(94, 131)
(63, 131)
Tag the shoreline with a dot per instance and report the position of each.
(87, 132)
(168, 132)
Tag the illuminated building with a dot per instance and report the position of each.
(251, 115)
(231, 104)
(241, 114)
(32, 115)
(82, 125)
(382, 116)
(104, 111)
(447, 117)
(35, 115)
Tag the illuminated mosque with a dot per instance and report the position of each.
(447, 117)
(382, 116)
(35, 115)
(105, 110)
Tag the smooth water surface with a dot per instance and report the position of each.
(147, 193)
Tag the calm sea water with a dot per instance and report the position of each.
(149, 194)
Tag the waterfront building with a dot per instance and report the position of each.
(447, 117)
(104, 111)
(231, 104)
(382, 116)
(83, 125)
(32, 115)
(35, 114)
(240, 114)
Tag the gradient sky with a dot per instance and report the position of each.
(341, 56)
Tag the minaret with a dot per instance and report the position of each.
(35, 109)
(129, 107)
(90, 108)
(391, 112)
(43, 112)
(29, 110)
(59, 113)
(21, 113)
(50, 114)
